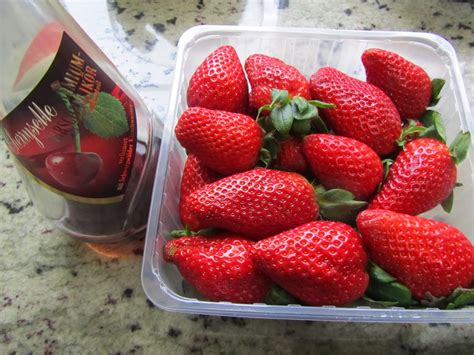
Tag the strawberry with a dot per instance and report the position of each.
(341, 162)
(320, 263)
(195, 176)
(422, 176)
(362, 111)
(219, 83)
(407, 84)
(225, 142)
(266, 73)
(219, 267)
(291, 157)
(256, 203)
(426, 255)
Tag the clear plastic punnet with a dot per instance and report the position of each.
(306, 49)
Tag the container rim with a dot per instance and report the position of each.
(161, 296)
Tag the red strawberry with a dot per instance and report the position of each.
(341, 162)
(404, 82)
(425, 255)
(362, 111)
(219, 83)
(219, 267)
(266, 73)
(256, 203)
(320, 263)
(291, 157)
(226, 142)
(195, 176)
(422, 176)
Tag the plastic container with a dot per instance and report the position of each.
(308, 50)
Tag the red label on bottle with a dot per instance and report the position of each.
(75, 133)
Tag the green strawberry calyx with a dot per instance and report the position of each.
(433, 122)
(385, 288)
(386, 163)
(270, 148)
(458, 150)
(436, 87)
(460, 146)
(296, 115)
(285, 117)
(459, 298)
(278, 296)
(338, 204)
(187, 232)
(430, 126)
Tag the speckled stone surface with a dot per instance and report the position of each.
(59, 296)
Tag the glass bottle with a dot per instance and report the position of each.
(81, 138)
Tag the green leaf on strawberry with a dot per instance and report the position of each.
(105, 116)
(384, 287)
(278, 296)
(321, 104)
(447, 204)
(434, 126)
(270, 149)
(460, 297)
(338, 204)
(460, 147)
(411, 129)
(302, 127)
(265, 157)
(271, 143)
(280, 96)
(436, 86)
(387, 163)
(367, 301)
(261, 119)
(296, 115)
(187, 232)
(378, 274)
(282, 119)
(301, 103)
(303, 114)
(318, 125)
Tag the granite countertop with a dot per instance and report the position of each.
(58, 295)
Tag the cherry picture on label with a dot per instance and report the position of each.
(95, 123)
(75, 132)
(74, 169)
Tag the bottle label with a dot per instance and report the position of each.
(75, 133)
